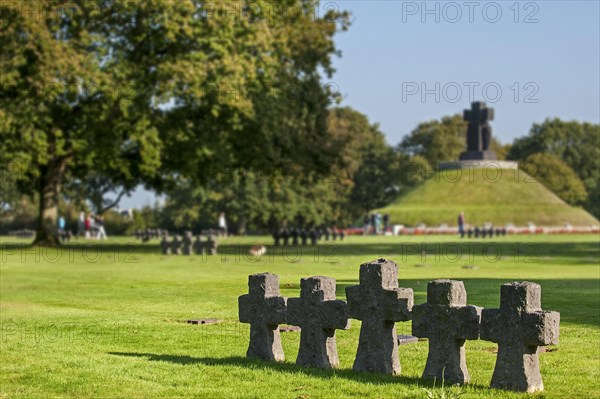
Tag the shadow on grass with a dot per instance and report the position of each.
(527, 252)
(577, 300)
(92, 246)
(256, 364)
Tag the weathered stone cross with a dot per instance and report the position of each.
(264, 309)
(379, 303)
(519, 327)
(318, 314)
(478, 131)
(165, 245)
(447, 322)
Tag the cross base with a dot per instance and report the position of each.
(478, 155)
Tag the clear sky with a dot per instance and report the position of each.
(404, 62)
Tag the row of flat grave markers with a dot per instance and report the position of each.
(519, 326)
(186, 245)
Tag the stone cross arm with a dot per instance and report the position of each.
(397, 303)
(271, 310)
(331, 314)
(543, 328)
(461, 322)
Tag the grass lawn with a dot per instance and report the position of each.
(106, 322)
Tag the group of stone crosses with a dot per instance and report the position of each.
(147, 234)
(187, 246)
(519, 326)
(483, 232)
(297, 236)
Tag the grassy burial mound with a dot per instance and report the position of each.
(485, 195)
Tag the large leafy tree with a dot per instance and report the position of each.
(151, 91)
(360, 178)
(576, 143)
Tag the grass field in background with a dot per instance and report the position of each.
(105, 320)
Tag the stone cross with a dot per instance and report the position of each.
(198, 246)
(519, 327)
(187, 243)
(447, 322)
(379, 303)
(314, 236)
(176, 245)
(285, 235)
(479, 131)
(294, 233)
(264, 309)
(165, 245)
(304, 236)
(318, 314)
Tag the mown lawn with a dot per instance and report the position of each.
(106, 322)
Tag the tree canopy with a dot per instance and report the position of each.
(150, 91)
(576, 143)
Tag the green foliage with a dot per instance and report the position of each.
(437, 141)
(576, 143)
(378, 180)
(141, 91)
(442, 140)
(415, 170)
(364, 176)
(557, 176)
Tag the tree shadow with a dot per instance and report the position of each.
(257, 364)
(90, 246)
(532, 252)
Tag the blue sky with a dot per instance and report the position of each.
(529, 60)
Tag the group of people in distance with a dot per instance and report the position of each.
(375, 223)
(90, 226)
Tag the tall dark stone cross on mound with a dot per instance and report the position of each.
(519, 327)
(319, 314)
(447, 322)
(479, 133)
(264, 309)
(379, 303)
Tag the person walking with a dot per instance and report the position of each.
(61, 227)
(81, 225)
(100, 227)
(88, 226)
(223, 223)
(378, 223)
(366, 224)
(461, 224)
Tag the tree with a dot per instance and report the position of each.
(152, 91)
(576, 143)
(437, 141)
(557, 176)
(362, 177)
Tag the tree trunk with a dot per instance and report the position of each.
(49, 188)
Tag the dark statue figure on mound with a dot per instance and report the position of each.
(479, 133)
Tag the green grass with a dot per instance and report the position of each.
(496, 196)
(106, 323)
